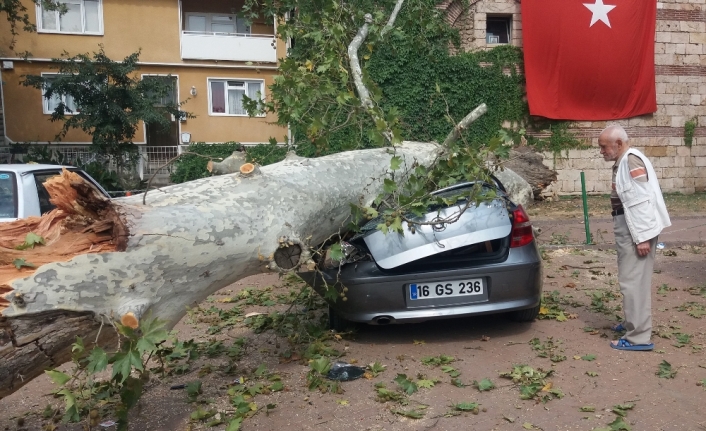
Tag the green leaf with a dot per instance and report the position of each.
(321, 365)
(97, 360)
(376, 368)
(256, 389)
(261, 370)
(665, 370)
(193, 389)
(153, 333)
(201, 414)
(31, 239)
(336, 252)
(19, 263)
(405, 384)
(451, 371)
(123, 363)
(619, 424)
(424, 383)
(592, 373)
(484, 385)
(234, 425)
(69, 397)
(276, 386)
(396, 225)
(130, 393)
(620, 409)
(587, 409)
(58, 377)
(458, 383)
(589, 357)
(395, 163)
(465, 407)
(389, 186)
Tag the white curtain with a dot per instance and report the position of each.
(48, 20)
(92, 17)
(253, 89)
(235, 101)
(71, 20)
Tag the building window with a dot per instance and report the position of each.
(50, 103)
(77, 16)
(498, 29)
(226, 95)
(215, 23)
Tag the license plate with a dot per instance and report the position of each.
(446, 289)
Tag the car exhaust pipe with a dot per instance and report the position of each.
(383, 320)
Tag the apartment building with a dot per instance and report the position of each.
(211, 55)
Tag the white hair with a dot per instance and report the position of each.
(615, 132)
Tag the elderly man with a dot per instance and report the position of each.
(639, 215)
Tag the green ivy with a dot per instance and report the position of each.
(434, 90)
(689, 129)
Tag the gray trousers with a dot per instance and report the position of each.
(635, 278)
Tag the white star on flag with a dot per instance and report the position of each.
(600, 12)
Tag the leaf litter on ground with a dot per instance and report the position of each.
(533, 384)
(665, 370)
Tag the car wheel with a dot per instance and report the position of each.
(338, 323)
(526, 315)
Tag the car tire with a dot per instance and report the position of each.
(338, 323)
(526, 315)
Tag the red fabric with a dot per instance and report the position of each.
(576, 71)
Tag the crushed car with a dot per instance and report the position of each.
(486, 261)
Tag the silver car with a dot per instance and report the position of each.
(486, 262)
(22, 192)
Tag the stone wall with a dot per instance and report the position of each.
(680, 66)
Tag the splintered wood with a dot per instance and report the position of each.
(84, 221)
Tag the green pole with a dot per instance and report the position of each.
(585, 209)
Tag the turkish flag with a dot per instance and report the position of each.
(589, 59)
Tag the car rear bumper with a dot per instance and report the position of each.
(376, 297)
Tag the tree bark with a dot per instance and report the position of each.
(528, 164)
(188, 241)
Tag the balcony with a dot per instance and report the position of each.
(199, 45)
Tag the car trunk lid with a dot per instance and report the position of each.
(480, 223)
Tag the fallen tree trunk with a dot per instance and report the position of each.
(107, 260)
(528, 164)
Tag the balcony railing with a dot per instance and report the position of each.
(228, 46)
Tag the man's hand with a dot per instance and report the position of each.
(643, 248)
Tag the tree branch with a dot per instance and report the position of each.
(467, 120)
(363, 92)
(393, 17)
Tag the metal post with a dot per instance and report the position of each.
(585, 209)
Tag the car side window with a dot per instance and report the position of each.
(8, 195)
(44, 204)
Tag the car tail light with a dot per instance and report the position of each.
(521, 228)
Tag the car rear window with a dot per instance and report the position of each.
(8, 195)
